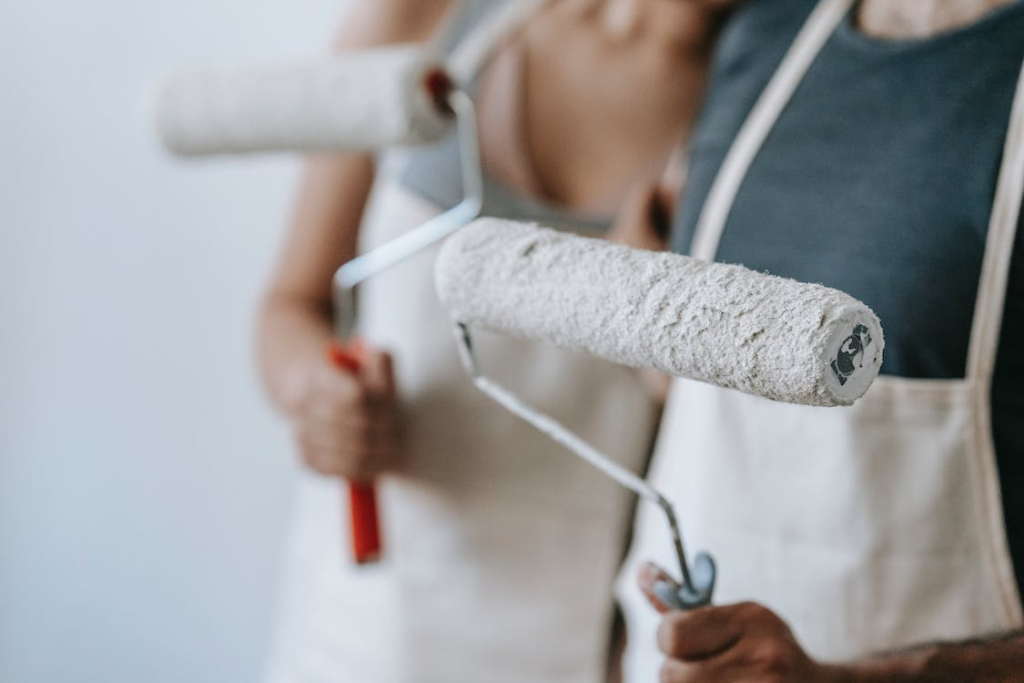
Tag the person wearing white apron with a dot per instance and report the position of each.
(500, 548)
(894, 170)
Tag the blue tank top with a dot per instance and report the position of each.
(878, 179)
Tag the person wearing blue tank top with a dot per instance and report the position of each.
(875, 146)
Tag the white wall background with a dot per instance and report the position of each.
(144, 483)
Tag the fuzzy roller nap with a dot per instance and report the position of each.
(351, 102)
(356, 102)
(721, 324)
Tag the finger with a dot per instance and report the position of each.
(363, 425)
(316, 458)
(339, 384)
(332, 460)
(698, 634)
(326, 440)
(379, 374)
(648, 577)
(329, 407)
(335, 432)
(335, 435)
(373, 432)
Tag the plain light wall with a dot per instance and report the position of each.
(144, 482)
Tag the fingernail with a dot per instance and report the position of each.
(649, 573)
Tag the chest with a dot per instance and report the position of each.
(594, 117)
(878, 188)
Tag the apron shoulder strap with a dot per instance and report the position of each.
(816, 31)
(478, 47)
(1002, 232)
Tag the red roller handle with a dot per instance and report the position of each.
(362, 496)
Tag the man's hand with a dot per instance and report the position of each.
(745, 642)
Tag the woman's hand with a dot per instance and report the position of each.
(743, 642)
(347, 424)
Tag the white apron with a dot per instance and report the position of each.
(866, 528)
(501, 548)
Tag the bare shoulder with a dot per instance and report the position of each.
(375, 22)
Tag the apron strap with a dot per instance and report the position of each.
(474, 52)
(1002, 231)
(819, 27)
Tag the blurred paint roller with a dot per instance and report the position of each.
(716, 323)
(355, 102)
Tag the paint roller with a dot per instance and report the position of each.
(722, 324)
(354, 102)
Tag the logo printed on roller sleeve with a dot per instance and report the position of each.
(850, 356)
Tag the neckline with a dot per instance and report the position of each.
(507, 45)
(852, 35)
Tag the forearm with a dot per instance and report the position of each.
(295, 320)
(296, 317)
(994, 660)
(292, 336)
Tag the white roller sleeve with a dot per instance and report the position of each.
(722, 324)
(350, 102)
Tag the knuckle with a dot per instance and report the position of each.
(751, 612)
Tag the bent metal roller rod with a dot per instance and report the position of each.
(722, 324)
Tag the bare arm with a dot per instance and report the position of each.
(747, 642)
(993, 660)
(295, 320)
